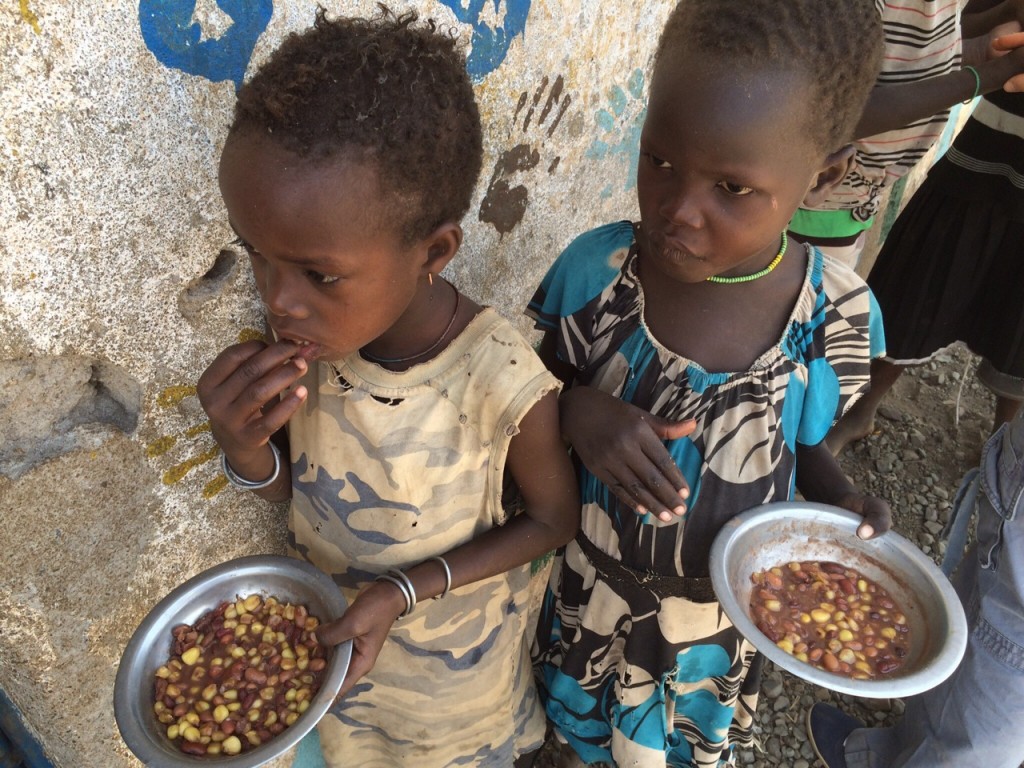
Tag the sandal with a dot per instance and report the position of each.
(827, 729)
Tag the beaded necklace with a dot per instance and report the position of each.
(747, 278)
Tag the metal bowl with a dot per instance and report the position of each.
(285, 578)
(774, 534)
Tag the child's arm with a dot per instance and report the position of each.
(621, 444)
(541, 468)
(893, 106)
(979, 17)
(819, 478)
(242, 392)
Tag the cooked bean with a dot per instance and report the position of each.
(251, 666)
(834, 618)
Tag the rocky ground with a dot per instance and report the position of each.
(929, 432)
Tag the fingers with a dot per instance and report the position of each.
(1008, 42)
(358, 666)
(877, 519)
(254, 370)
(672, 430)
(244, 392)
(1014, 84)
(657, 493)
(332, 633)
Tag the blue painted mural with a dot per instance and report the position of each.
(176, 40)
(490, 43)
(621, 122)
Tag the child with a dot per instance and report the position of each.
(907, 111)
(717, 356)
(951, 268)
(351, 159)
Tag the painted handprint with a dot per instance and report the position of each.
(620, 123)
(179, 41)
(503, 205)
(495, 26)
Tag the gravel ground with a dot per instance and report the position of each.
(930, 431)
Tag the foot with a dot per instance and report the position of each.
(827, 729)
(858, 423)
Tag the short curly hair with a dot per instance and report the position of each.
(838, 44)
(391, 89)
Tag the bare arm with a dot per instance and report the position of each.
(982, 16)
(894, 106)
(820, 478)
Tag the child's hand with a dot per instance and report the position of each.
(366, 623)
(1012, 45)
(240, 391)
(875, 511)
(622, 446)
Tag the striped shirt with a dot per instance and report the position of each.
(922, 40)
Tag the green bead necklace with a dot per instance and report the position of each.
(747, 278)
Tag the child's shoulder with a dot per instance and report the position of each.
(837, 278)
(588, 265)
(596, 256)
(604, 239)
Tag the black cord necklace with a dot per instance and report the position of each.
(428, 350)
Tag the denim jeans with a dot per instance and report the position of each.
(975, 718)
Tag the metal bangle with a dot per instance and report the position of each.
(401, 588)
(977, 84)
(251, 485)
(447, 576)
(411, 590)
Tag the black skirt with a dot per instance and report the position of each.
(952, 269)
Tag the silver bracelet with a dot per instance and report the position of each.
(447, 576)
(398, 574)
(250, 485)
(409, 600)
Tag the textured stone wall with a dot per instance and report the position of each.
(117, 288)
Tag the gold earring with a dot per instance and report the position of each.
(430, 279)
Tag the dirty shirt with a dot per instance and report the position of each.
(388, 469)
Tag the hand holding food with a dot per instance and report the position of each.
(245, 394)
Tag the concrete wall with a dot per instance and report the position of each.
(116, 292)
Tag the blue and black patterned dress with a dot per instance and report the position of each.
(639, 666)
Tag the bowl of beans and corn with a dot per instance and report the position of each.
(872, 618)
(226, 669)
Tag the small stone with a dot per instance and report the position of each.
(889, 412)
(934, 527)
(801, 763)
(876, 705)
(772, 687)
(781, 704)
